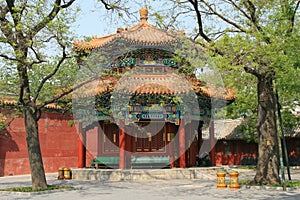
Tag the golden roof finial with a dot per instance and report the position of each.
(143, 14)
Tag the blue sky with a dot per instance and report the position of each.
(93, 19)
(88, 20)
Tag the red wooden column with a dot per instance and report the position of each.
(100, 141)
(212, 142)
(188, 144)
(182, 158)
(122, 145)
(170, 143)
(172, 151)
(81, 146)
(128, 152)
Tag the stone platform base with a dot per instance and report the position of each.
(208, 173)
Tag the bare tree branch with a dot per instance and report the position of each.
(239, 8)
(10, 5)
(48, 39)
(66, 93)
(62, 59)
(3, 12)
(113, 6)
(6, 26)
(251, 70)
(38, 57)
(293, 16)
(35, 62)
(16, 17)
(14, 14)
(68, 4)
(222, 17)
(23, 8)
(200, 23)
(9, 58)
(174, 18)
(252, 10)
(22, 73)
(55, 10)
(220, 33)
(106, 5)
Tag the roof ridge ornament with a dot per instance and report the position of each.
(143, 14)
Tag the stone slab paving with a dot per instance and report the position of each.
(184, 189)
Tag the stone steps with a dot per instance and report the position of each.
(208, 173)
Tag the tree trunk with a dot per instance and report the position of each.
(34, 152)
(268, 154)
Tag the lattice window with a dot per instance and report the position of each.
(146, 144)
(161, 140)
(154, 142)
(111, 138)
(139, 144)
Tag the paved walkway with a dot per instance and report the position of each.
(146, 190)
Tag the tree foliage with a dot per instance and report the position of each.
(35, 38)
(257, 38)
(38, 68)
(255, 43)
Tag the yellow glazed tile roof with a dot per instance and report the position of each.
(12, 102)
(145, 34)
(171, 84)
(142, 33)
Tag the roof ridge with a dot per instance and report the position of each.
(143, 33)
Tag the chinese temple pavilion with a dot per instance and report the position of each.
(147, 109)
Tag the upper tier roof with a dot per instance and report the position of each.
(143, 33)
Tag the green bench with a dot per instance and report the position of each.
(137, 162)
(105, 162)
(152, 162)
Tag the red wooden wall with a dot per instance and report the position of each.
(57, 139)
(235, 152)
(59, 147)
(239, 152)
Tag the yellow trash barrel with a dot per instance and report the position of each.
(60, 173)
(67, 173)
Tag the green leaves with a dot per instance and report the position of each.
(38, 55)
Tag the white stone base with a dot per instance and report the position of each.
(208, 173)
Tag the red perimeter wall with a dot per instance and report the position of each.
(59, 144)
(57, 139)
